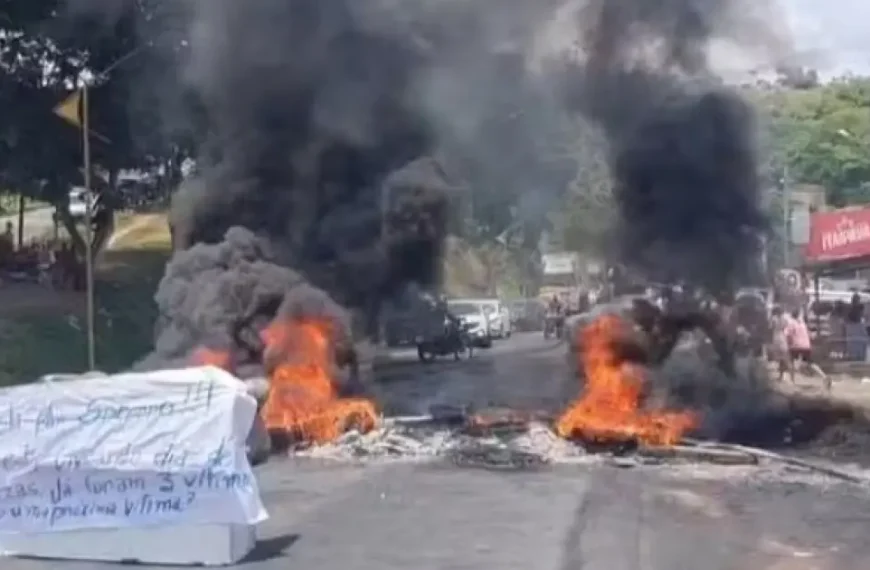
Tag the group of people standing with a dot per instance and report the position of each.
(849, 329)
(48, 262)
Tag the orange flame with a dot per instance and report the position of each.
(609, 408)
(303, 399)
(210, 357)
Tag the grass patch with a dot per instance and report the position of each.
(126, 310)
(142, 231)
(9, 204)
(35, 343)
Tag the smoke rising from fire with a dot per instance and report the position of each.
(322, 120)
(684, 166)
(321, 115)
(681, 144)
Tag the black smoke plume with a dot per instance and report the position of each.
(323, 123)
(221, 296)
(681, 144)
(306, 119)
(685, 171)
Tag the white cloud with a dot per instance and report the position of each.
(832, 35)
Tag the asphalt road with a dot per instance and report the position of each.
(524, 372)
(519, 341)
(589, 517)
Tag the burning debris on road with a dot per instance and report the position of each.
(304, 402)
(304, 406)
(536, 445)
(610, 407)
(318, 196)
(614, 421)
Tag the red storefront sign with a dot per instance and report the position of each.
(839, 235)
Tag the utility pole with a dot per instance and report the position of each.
(76, 110)
(89, 248)
(21, 205)
(786, 218)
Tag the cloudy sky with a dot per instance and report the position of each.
(833, 34)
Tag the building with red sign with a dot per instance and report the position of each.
(839, 238)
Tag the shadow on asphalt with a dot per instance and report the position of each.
(394, 372)
(270, 548)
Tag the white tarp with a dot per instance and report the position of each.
(127, 450)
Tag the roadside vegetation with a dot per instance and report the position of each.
(10, 204)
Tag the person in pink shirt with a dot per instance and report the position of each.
(800, 348)
(778, 350)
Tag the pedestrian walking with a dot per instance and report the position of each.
(801, 348)
(856, 331)
(778, 351)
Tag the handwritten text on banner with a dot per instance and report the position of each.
(127, 450)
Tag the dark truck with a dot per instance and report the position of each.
(527, 315)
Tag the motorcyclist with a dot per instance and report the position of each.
(445, 332)
(451, 321)
(555, 316)
(555, 306)
(451, 325)
(583, 303)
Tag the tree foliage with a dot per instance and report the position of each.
(811, 132)
(586, 211)
(820, 134)
(46, 48)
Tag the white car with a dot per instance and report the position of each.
(499, 317)
(472, 314)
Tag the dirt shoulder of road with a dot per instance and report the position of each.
(845, 390)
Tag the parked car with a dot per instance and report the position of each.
(499, 317)
(472, 314)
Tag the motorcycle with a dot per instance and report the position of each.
(455, 340)
(554, 325)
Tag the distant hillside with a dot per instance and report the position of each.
(464, 270)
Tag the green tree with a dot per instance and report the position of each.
(44, 49)
(821, 135)
(586, 212)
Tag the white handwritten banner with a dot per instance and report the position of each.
(127, 450)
